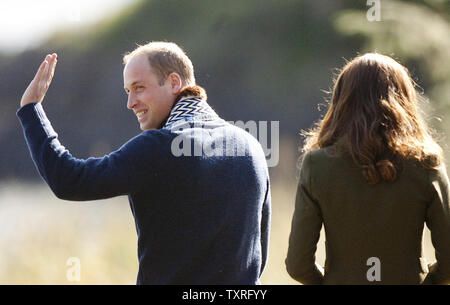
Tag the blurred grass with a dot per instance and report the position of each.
(40, 232)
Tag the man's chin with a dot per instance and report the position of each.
(145, 127)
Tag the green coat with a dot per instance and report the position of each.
(362, 221)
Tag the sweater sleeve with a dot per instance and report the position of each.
(305, 231)
(265, 227)
(122, 172)
(438, 221)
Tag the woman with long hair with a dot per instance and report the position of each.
(373, 175)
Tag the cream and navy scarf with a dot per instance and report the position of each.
(190, 109)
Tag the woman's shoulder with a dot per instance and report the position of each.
(331, 158)
(328, 154)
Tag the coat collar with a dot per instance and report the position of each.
(190, 109)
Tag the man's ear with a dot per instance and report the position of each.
(175, 82)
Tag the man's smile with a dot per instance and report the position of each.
(140, 114)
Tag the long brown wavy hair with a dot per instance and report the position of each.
(374, 116)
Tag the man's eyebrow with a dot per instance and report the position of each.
(134, 83)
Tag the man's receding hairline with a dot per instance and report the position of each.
(154, 47)
(165, 58)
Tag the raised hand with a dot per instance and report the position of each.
(39, 85)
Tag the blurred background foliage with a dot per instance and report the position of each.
(261, 60)
(415, 32)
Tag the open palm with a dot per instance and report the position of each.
(41, 82)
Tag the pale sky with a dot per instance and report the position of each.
(25, 23)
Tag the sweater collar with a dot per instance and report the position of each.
(190, 109)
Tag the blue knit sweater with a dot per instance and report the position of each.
(200, 219)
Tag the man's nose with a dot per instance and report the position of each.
(131, 102)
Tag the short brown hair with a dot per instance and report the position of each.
(165, 58)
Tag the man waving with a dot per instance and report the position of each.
(201, 217)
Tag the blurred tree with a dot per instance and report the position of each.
(416, 31)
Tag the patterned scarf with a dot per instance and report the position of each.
(189, 109)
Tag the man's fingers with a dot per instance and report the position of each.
(53, 65)
(48, 59)
(41, 70)
(45, 73)
(51, 68)
(38, 87)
